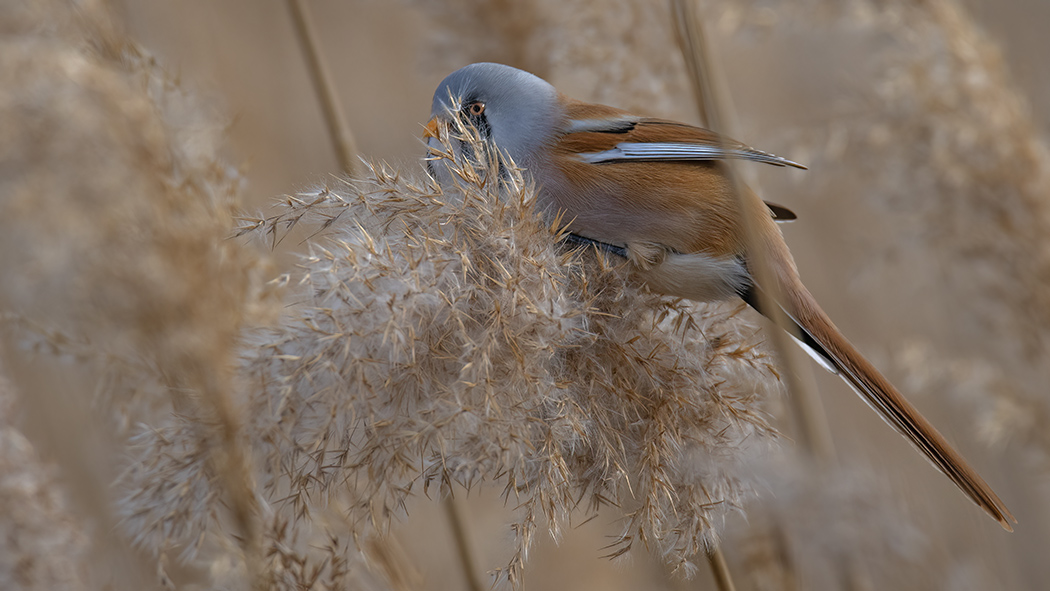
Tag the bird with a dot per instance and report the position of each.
(658, 193)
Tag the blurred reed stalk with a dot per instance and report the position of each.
(720, 570)
(346, 152)
(123, 264)
(335, 120)
(691, 42)
(459, 533)
(809, 412)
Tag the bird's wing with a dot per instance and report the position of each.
(605, 158)
(598, 134)
(780, 213)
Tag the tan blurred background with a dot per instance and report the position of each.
(387, 57)
(244, 52)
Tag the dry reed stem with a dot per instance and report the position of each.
(690, 44)
(462, 541)
(720, 570)
(385, 553)
(339, 132)
(808, 409)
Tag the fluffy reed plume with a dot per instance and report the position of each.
(626, 55)
(114, 219)
(42, 546)
(934, 144)
(443, 338)
(987, 217)
(982, 171)
(1007, 412)
(939, 152)
(838, 528)
(967, 202)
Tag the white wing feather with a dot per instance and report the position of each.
(680, 151)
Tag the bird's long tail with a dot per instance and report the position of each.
(813, 330)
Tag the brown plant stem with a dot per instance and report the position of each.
(335, 120)
(459, 534)
(808, 410)
(386, 553)
(689, 38)
(809, 413)
(232, 463)
(720, 570)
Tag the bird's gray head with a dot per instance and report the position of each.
(513, 109)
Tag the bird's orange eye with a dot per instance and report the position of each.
(476, 109)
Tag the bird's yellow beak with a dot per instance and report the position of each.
(432, 129)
